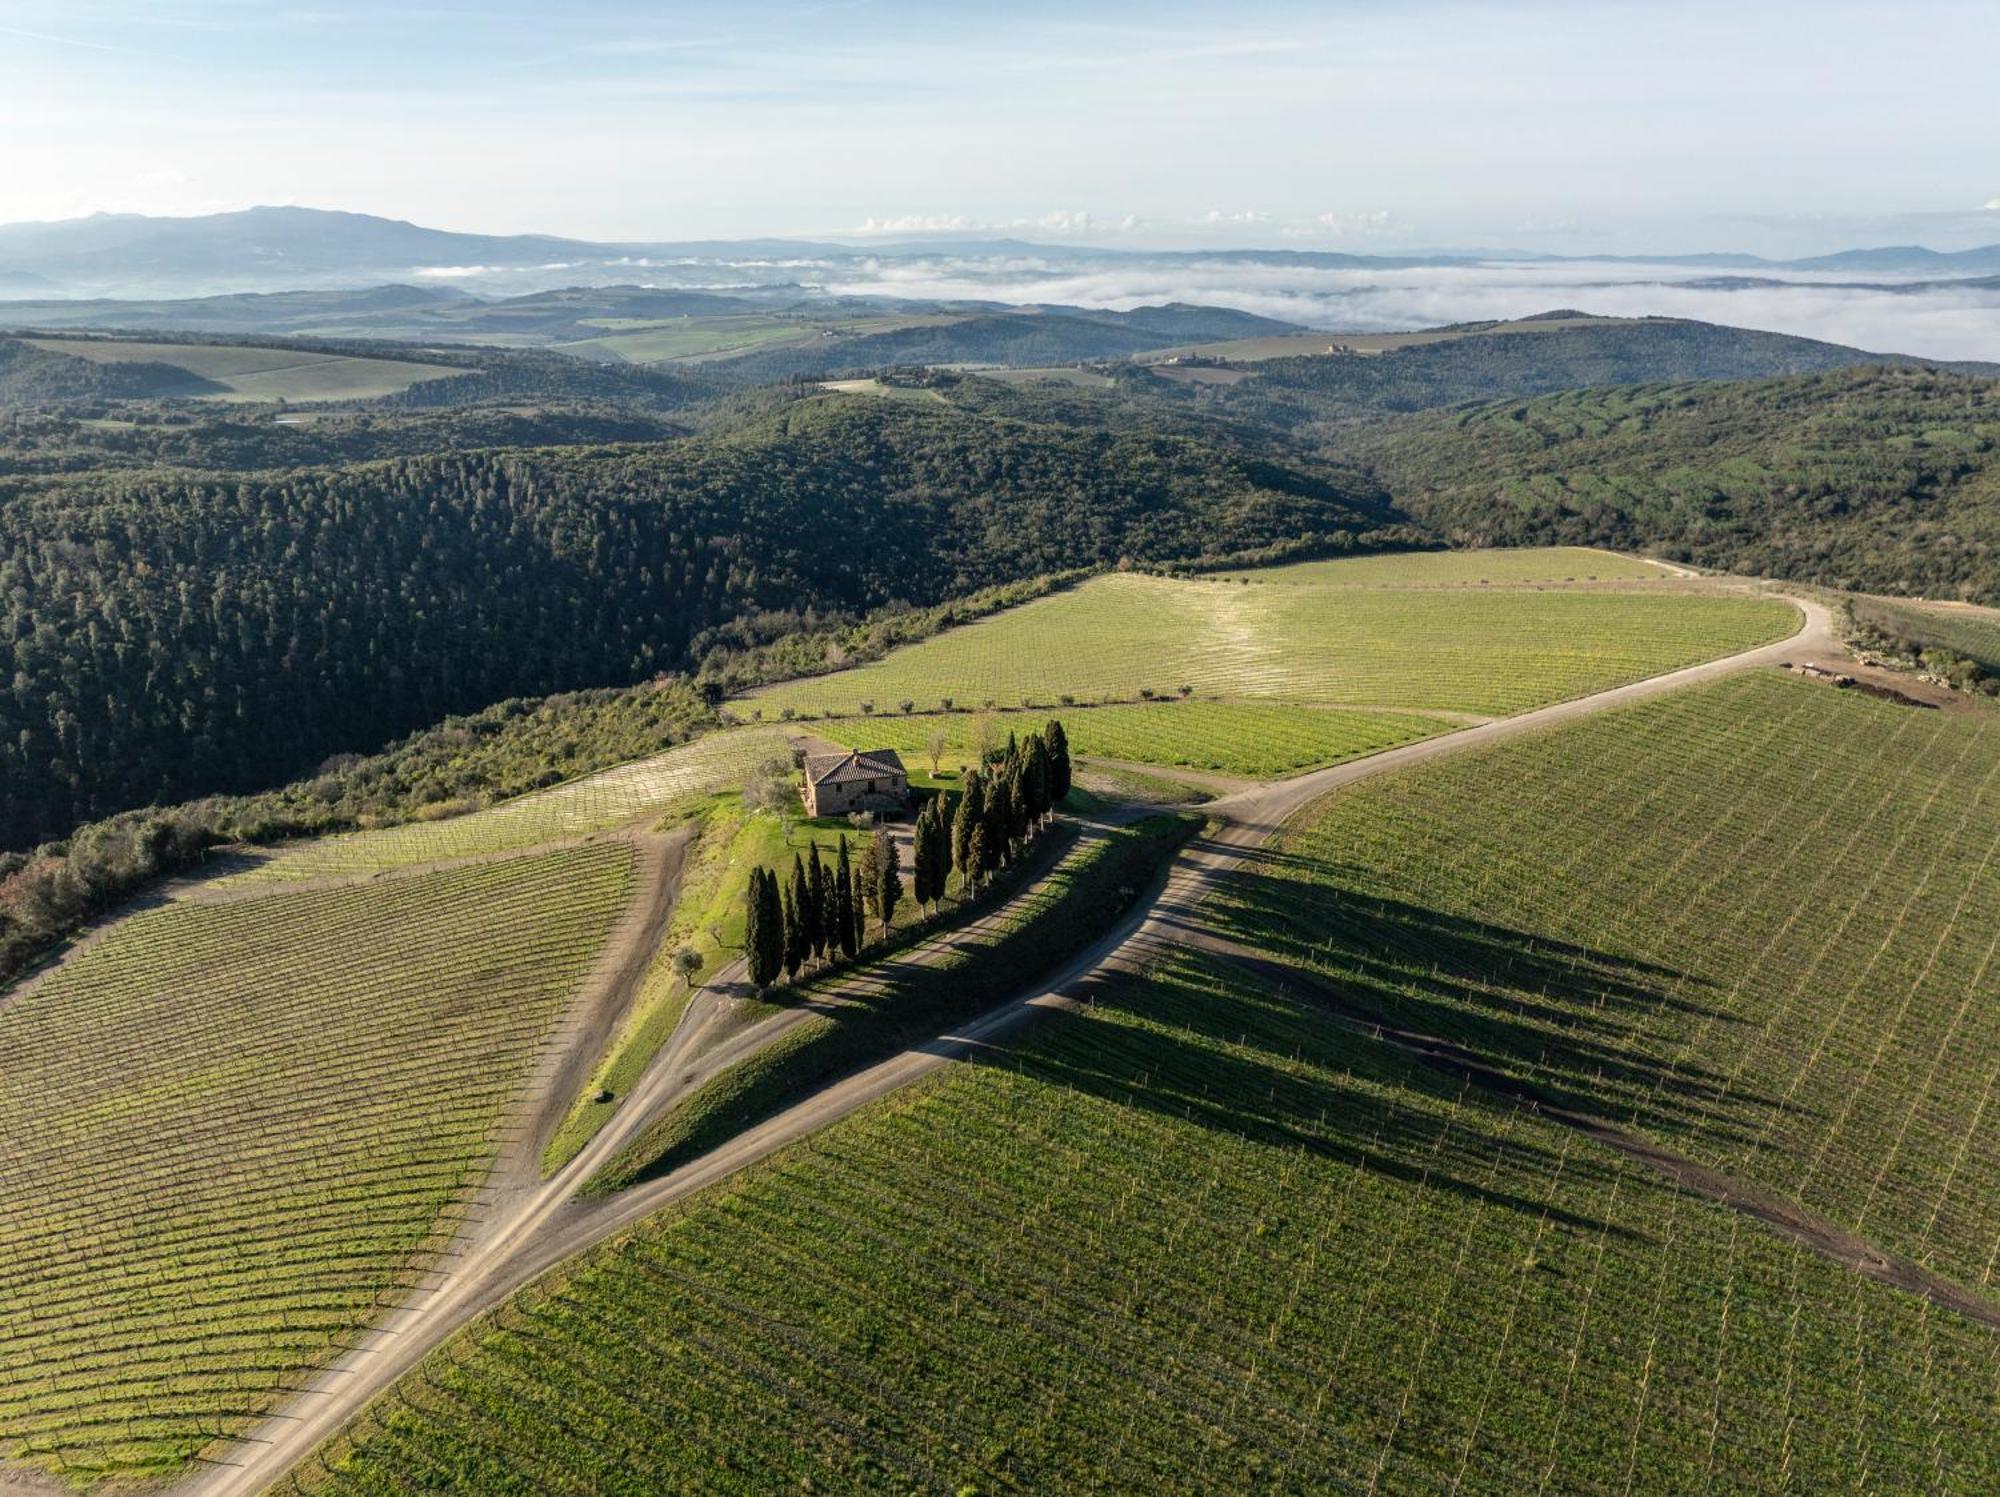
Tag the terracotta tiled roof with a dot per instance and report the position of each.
(870, 764)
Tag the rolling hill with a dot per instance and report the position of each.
(1879, 479)
(240, 630)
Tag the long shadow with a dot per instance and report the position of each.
(1592, 1027)
(1222, 1058)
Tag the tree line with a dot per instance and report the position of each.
(819, 913)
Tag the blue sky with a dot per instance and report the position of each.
(1771, 125)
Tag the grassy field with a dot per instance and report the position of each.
(1759, 921)
(262, 374)
(637, 341)
(650, 787)
(231, 1131)
(1258, 740)
(1195, 1240)
(1384, 635)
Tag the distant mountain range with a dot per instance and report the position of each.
(267, 249)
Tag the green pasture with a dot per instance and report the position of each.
(1318, 634)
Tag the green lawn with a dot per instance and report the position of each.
(1196, 1240)
(1255, 740)
(232, 1130)
(1319, 634)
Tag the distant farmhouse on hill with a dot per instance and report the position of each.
(874, 780)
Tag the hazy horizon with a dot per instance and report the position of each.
(1782, 130)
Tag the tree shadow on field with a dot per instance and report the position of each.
(1596, 1031)
(1224, 1054)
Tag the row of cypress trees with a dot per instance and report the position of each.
(821, 912)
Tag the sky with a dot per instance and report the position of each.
(1580, 126)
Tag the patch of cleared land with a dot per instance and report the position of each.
(232, 1131)
(263, 374)
(648, 787)
(1374, 632)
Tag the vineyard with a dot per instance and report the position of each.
(1302, 634)
(648, 787)
(1759, 921)
(1196, 1239)
(1259, 740)
(232, 1131)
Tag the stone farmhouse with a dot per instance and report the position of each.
(874, 780)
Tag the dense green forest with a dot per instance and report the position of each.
(240, 438)
(1883, 480)
(174, 634)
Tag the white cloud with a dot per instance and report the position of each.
(1993, 205)
(920, 223)
(1221, 218)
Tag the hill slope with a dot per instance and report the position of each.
(1257, 1224)
(171, 634)
(1330, 388)
(1883, 480)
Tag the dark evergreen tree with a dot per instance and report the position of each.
(1057, 744)
(889, 876)
(998, 823)
(1035, 777)
(978, 860)
(971, 811)
(843, 903)
(798, 902)
(818, 903)
(753, 930)
(770, 929)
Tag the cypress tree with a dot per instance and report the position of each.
(843, 902)
(1019, 810)
(770, 928)
(1057, 743)
(1035, 776)
(753, 929)
(920, 858)
(856, 910)
(816, 903)
(971, 810)
(889, 871)
(798, 911)
(998, 823)
(976, 858)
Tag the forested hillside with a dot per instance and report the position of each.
(238, 438)
(1885, 480)
(1297, 393)
(171, 634)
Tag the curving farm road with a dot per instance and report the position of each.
(550, 1224)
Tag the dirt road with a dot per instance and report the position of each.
(552, 1225)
